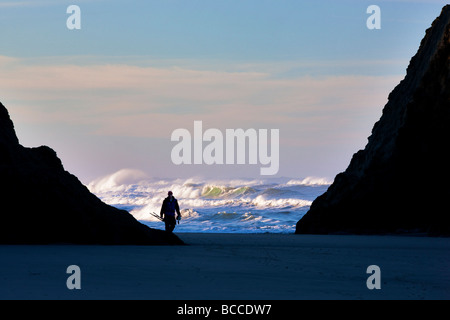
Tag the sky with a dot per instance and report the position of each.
(108, 96)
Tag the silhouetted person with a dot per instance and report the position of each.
(168, 209)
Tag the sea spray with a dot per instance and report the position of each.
(235, 205)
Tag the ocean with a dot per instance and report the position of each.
(227, 206)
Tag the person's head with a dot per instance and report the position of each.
(170, 194)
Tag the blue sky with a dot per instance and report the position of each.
(236, 29)
(108, 96)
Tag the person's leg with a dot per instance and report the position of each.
(167, 223)
(170, 223)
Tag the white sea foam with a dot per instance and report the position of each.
(207, 205)
(117, 181)
(310, 181)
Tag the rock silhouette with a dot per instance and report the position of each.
(43, 203)
(400, 182)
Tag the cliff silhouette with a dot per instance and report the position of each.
(400, 182)
(40, 202)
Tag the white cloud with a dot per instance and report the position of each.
(88, 112)
(151, 102)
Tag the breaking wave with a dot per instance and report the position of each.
(244, 206)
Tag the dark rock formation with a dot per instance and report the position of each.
(42, 203)
(400, 182)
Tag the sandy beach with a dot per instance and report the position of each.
(233, 267)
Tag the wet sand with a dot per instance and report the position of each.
(233, 267)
